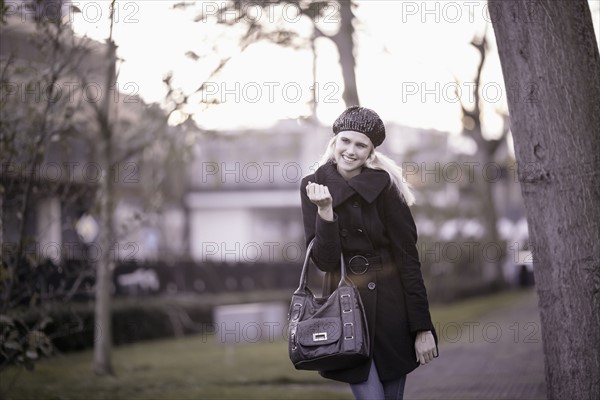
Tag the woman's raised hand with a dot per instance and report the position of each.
(320, 196)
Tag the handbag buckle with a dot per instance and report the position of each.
(364, 264)
(319, 336)
(346, 305)
(351, 328)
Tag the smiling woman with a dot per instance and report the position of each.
(357, 204)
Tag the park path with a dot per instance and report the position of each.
(497, 357)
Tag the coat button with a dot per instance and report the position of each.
(344, 232)
(356, 204)
(371, 285)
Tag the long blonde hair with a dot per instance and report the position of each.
(380, 161)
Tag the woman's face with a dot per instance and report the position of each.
(351, 152)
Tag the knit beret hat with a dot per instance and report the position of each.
(363, 120)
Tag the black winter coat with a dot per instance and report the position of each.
(372, 219)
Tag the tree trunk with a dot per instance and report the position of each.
(344, 41)
(551, 69)
(492, 260)
(104, 268)
(105, 265)
(486, 150)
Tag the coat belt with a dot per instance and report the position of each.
(359, 264)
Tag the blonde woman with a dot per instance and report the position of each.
(357, 203)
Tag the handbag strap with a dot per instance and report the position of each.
(304, 274)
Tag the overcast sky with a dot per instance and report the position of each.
(408, 55)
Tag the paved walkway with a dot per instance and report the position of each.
(498, 357)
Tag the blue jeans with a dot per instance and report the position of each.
(374, 389)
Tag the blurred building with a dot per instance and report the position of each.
(244, 199)
(244, 203)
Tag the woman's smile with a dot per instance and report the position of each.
(348, 158)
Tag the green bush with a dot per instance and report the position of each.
(72, 325)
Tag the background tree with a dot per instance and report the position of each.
(35, 115)
(344, 42)
(551, 68)
(106, 200)
(131, 144)
(486, 153)
(321, 14)
(37, 119)
(144, 143)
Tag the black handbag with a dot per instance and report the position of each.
(327, 333)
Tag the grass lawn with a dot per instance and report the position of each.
(196, 367)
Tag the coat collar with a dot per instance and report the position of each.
(368, 184)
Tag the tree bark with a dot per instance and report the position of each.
(551, 68)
